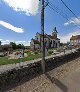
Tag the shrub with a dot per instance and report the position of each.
(50, 52)
(35, 52)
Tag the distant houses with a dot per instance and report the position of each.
(5, 49)
(51, 41)
(75, 40)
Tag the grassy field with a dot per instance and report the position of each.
(5, 60)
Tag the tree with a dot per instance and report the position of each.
(20, 46)
(13, 45)
(61, 44)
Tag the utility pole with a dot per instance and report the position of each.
(43, 44)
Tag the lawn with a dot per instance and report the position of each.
(5, 61)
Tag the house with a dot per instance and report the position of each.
(75, 40)
(51, 41)
(6, 49)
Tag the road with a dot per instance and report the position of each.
(65, 78)
(70, 83)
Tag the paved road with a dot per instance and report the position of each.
(65, 78)
(70, 83)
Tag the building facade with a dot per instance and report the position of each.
(75, 40)
(51, 41)
(6, 49)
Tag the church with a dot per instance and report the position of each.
(51, 41)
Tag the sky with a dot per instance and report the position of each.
(20, 20)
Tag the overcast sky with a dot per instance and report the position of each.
(20, 20)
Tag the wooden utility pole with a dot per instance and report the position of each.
(43, 44)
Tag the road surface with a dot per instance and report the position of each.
(65, 78)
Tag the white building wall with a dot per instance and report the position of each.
(47, 41)
(75, 42)
(32, 44)
(58, 43)
(54, 43)
(37, 37)
(37, 46)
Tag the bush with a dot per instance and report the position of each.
(50, 52)
(35, 52)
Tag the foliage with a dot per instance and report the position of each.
(35, 52)
(15, 46)
(50, 52)
(61, 44)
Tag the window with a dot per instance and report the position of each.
(51, 42)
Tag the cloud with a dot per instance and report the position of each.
(25, 43)
(20, 42)
(1, 39)
(66, 38)
(29, 7)
(74, 21)
(5, 42)
(11, 27)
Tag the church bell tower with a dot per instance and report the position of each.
(54, 33)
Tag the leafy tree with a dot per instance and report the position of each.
(61, 44)
(13, 45)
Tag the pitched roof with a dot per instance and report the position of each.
(36, 41)
(6, 46)
(44, 35)
(75, 37)
(52, 37)
(48, 36)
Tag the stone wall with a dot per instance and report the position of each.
(25, 73)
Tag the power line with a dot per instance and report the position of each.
(58, 13)
(69, 9)
(50, 6)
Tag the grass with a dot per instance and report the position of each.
(5, 60)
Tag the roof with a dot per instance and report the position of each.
(44, 35)
(75, 37)
(36, 41)
(52, 37)
(47, 36)
(6, 46)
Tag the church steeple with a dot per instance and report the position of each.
(54, 33)
(54, 30)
